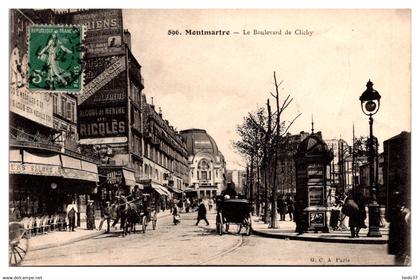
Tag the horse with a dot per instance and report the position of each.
(134, 214)
(119, 213)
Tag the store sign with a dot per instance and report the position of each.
(104, 30)
(114, 177)
(316, 219)
(36, 107)
(109, 121)
(34, 169)
(111, 72)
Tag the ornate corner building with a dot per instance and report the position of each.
(206, 163)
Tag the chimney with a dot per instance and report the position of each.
(160, 112)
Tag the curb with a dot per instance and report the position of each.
(319, 239)
(80, 238)
(58, 244)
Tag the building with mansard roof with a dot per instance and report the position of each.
(206, 163)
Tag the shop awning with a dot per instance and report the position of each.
(41, 159)
(56, 165)
(175, 190)
(160, 189)
(129, 178)
(78, 174)
(71, 162)
(14, 155)
(79, 169)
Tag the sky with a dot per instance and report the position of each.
(212, 82)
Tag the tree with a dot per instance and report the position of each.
(263, 141)
(250, 146)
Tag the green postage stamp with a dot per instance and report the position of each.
(55, 58)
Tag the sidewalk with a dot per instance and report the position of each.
(60, 238)
(286, 230)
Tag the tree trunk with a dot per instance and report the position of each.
(274, 201)
(268, 164)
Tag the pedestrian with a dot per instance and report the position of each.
(14, 214)
(299, 216)
(202, 212)
(211, 202)
(281, 207)
(399, 231)
(71, 215)
(106, 217)
(171, 205)
(352, 210)
(175, 214)
(290, 208)
(90, 215)
(187, 205)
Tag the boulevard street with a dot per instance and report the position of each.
(187, 244)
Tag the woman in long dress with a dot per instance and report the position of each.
(49, 54)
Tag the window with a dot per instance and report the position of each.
(204, 175)
(198, 175)
(203, 165)
(69, 111)
(73, 107)
(55, 104)
(63, 106)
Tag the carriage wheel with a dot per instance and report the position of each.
(219, 224)
(154, 221)
(239, 228)
(248, 226)
(144, 224)
(18, 249)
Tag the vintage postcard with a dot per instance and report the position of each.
(209, 137)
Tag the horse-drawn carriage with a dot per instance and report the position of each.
(134, 210)
(233, 211)
(140, 211)
(18, 242)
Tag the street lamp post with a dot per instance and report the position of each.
(370, 102)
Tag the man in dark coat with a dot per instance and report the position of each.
(202, 212)
(356, 216)
(290, 208)
(90, 215)
(281, 205)
(299, 216)
(399, 231)
(72, 218)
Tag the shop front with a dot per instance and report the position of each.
(115, 181)
(207, 191)
(44, 182)
(160, 195)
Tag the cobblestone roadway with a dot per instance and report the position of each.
(186, 244)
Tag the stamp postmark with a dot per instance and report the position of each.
(55, 58)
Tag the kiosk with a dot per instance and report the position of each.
(312, 160)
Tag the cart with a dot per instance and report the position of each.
(141, 211)
(233, 211)
(18, 243)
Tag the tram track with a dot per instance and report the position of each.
(239, 244)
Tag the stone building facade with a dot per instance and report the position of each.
(207, 166)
